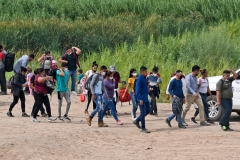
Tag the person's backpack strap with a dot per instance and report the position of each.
(76, 59)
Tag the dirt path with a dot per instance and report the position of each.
(22, 139)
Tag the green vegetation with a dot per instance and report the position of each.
(172, 34)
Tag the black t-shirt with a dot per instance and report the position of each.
(72, 66)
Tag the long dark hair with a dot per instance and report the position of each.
(131, 71)
(94, 64)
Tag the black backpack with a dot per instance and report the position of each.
(10, 83)
(89, 80)
(53, 73)
(50, 86)
(9, 62)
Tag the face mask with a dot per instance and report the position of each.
(65, 69)
(154, 75)
(111, 78)
(134, 74)
(226, 80)
(103, 73)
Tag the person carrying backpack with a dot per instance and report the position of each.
(46, 60)
(2, 71)
(97, 89)
(19, 81)
(71, 58)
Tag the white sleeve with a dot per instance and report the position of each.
(168, 85)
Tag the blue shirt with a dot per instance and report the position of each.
(22, 62)
(175, 88)
(62, 81)
(141, 89)
(192, 84)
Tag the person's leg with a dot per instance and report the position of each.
(68, 100)
(94, 105)
(152, 101)
(179, 118)
(89, 95)
(60, 96)
(196, 112)
(98, 102)
(73, 77)
(205, 104)
(189, 100)
(3, 80)
(47, 105)
(199, 103)
(38, 101)
(227, 109)
(112, 108)
(143, 110)
(15, 101)
(22, 98)
(105, 107)
(134, 105)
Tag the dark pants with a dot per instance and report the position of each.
(115, 100)
(144, 111)
(34, 106)
(153, 102)
(196, 112)
(41, 99)
(205, 104)
(226, 105)
(3, 80)
(89, 101)
(15, 101)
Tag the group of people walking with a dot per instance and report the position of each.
(102, 89)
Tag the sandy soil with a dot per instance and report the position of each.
(22, 139)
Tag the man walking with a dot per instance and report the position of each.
(71, 58)
(141, 91)
(224, 97)
(2, 71)
(62, 90)
(192, 95)
(23, 62)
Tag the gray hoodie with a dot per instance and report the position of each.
(99, 88)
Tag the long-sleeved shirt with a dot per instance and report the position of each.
(184, 87)
(192, 84)
(175, 88)
(110, 86)
(22, 62)
(141, 88)
(98, 88)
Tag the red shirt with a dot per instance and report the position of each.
(117, 78)
(1, 55)
(39, 87)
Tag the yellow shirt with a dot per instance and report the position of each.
(131, 83)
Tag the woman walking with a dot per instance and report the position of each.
(19, 81)
(40, 95)
(130, 86)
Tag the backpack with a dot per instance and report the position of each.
(9, 62)
(10, 83)
(47, 63)
(89, 80)
(53, 73)
(50, 86)
(127, 96)
(75, 56)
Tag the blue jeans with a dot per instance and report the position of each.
(109, 104)
(179, 115)
(226, 104)
(99, 107)
(73, 75)
(144, 111)
(205, 104)
(134, 104)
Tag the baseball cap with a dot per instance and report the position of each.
(112, 68)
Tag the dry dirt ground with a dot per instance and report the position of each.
(22, 139)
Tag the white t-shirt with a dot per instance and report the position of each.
(89, 73)
(204, 86)
(184, 87)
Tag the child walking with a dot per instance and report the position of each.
(29, 76)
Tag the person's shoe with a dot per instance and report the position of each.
(66, 117)
(168, 122)
(101, 124)
(229, 129)
(35, 120)
(119, 122)
(184, 123)
(182, 126)
(193, 120)
(25, 115)
(224, 128)
(155, 114)
(44, 114)
(86, 112)
(89, 120)
(136, 124)
(151, 114)
(132, 116)
(50, 119)
(204, 124)
(60, 118)
(209, 121)
(73, 92)
(10, 114)
(145, 131)
(3, 93)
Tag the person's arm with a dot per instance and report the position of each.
(109, 85)
(167, 93)
(235, 75)
(139, 90)
(60, 72)
(43, 79)
(61, 60)
(16, 81)
(170, 89)
(78, 51)
(25, 63)
(104, 90)
(41, 58)
(189, 85)
(218, 98)
(218, 91)
(92, 84)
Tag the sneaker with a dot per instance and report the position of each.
(25, 115)
(184, 123)
(73, 92)
(209, 121)
(152, 114)
(86, 112)
(60, 118)
(224, 128)
(119, 122)
(50, 119)
(66, 117)
(35, 120)
(229, 129)
(89, 120)
(204, 124)
(10, 114)
(44, 114)
(145, 131)
(182, 126)
(136, 124)
(168, 122)
(193, 120)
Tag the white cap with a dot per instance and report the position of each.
(112, 68)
